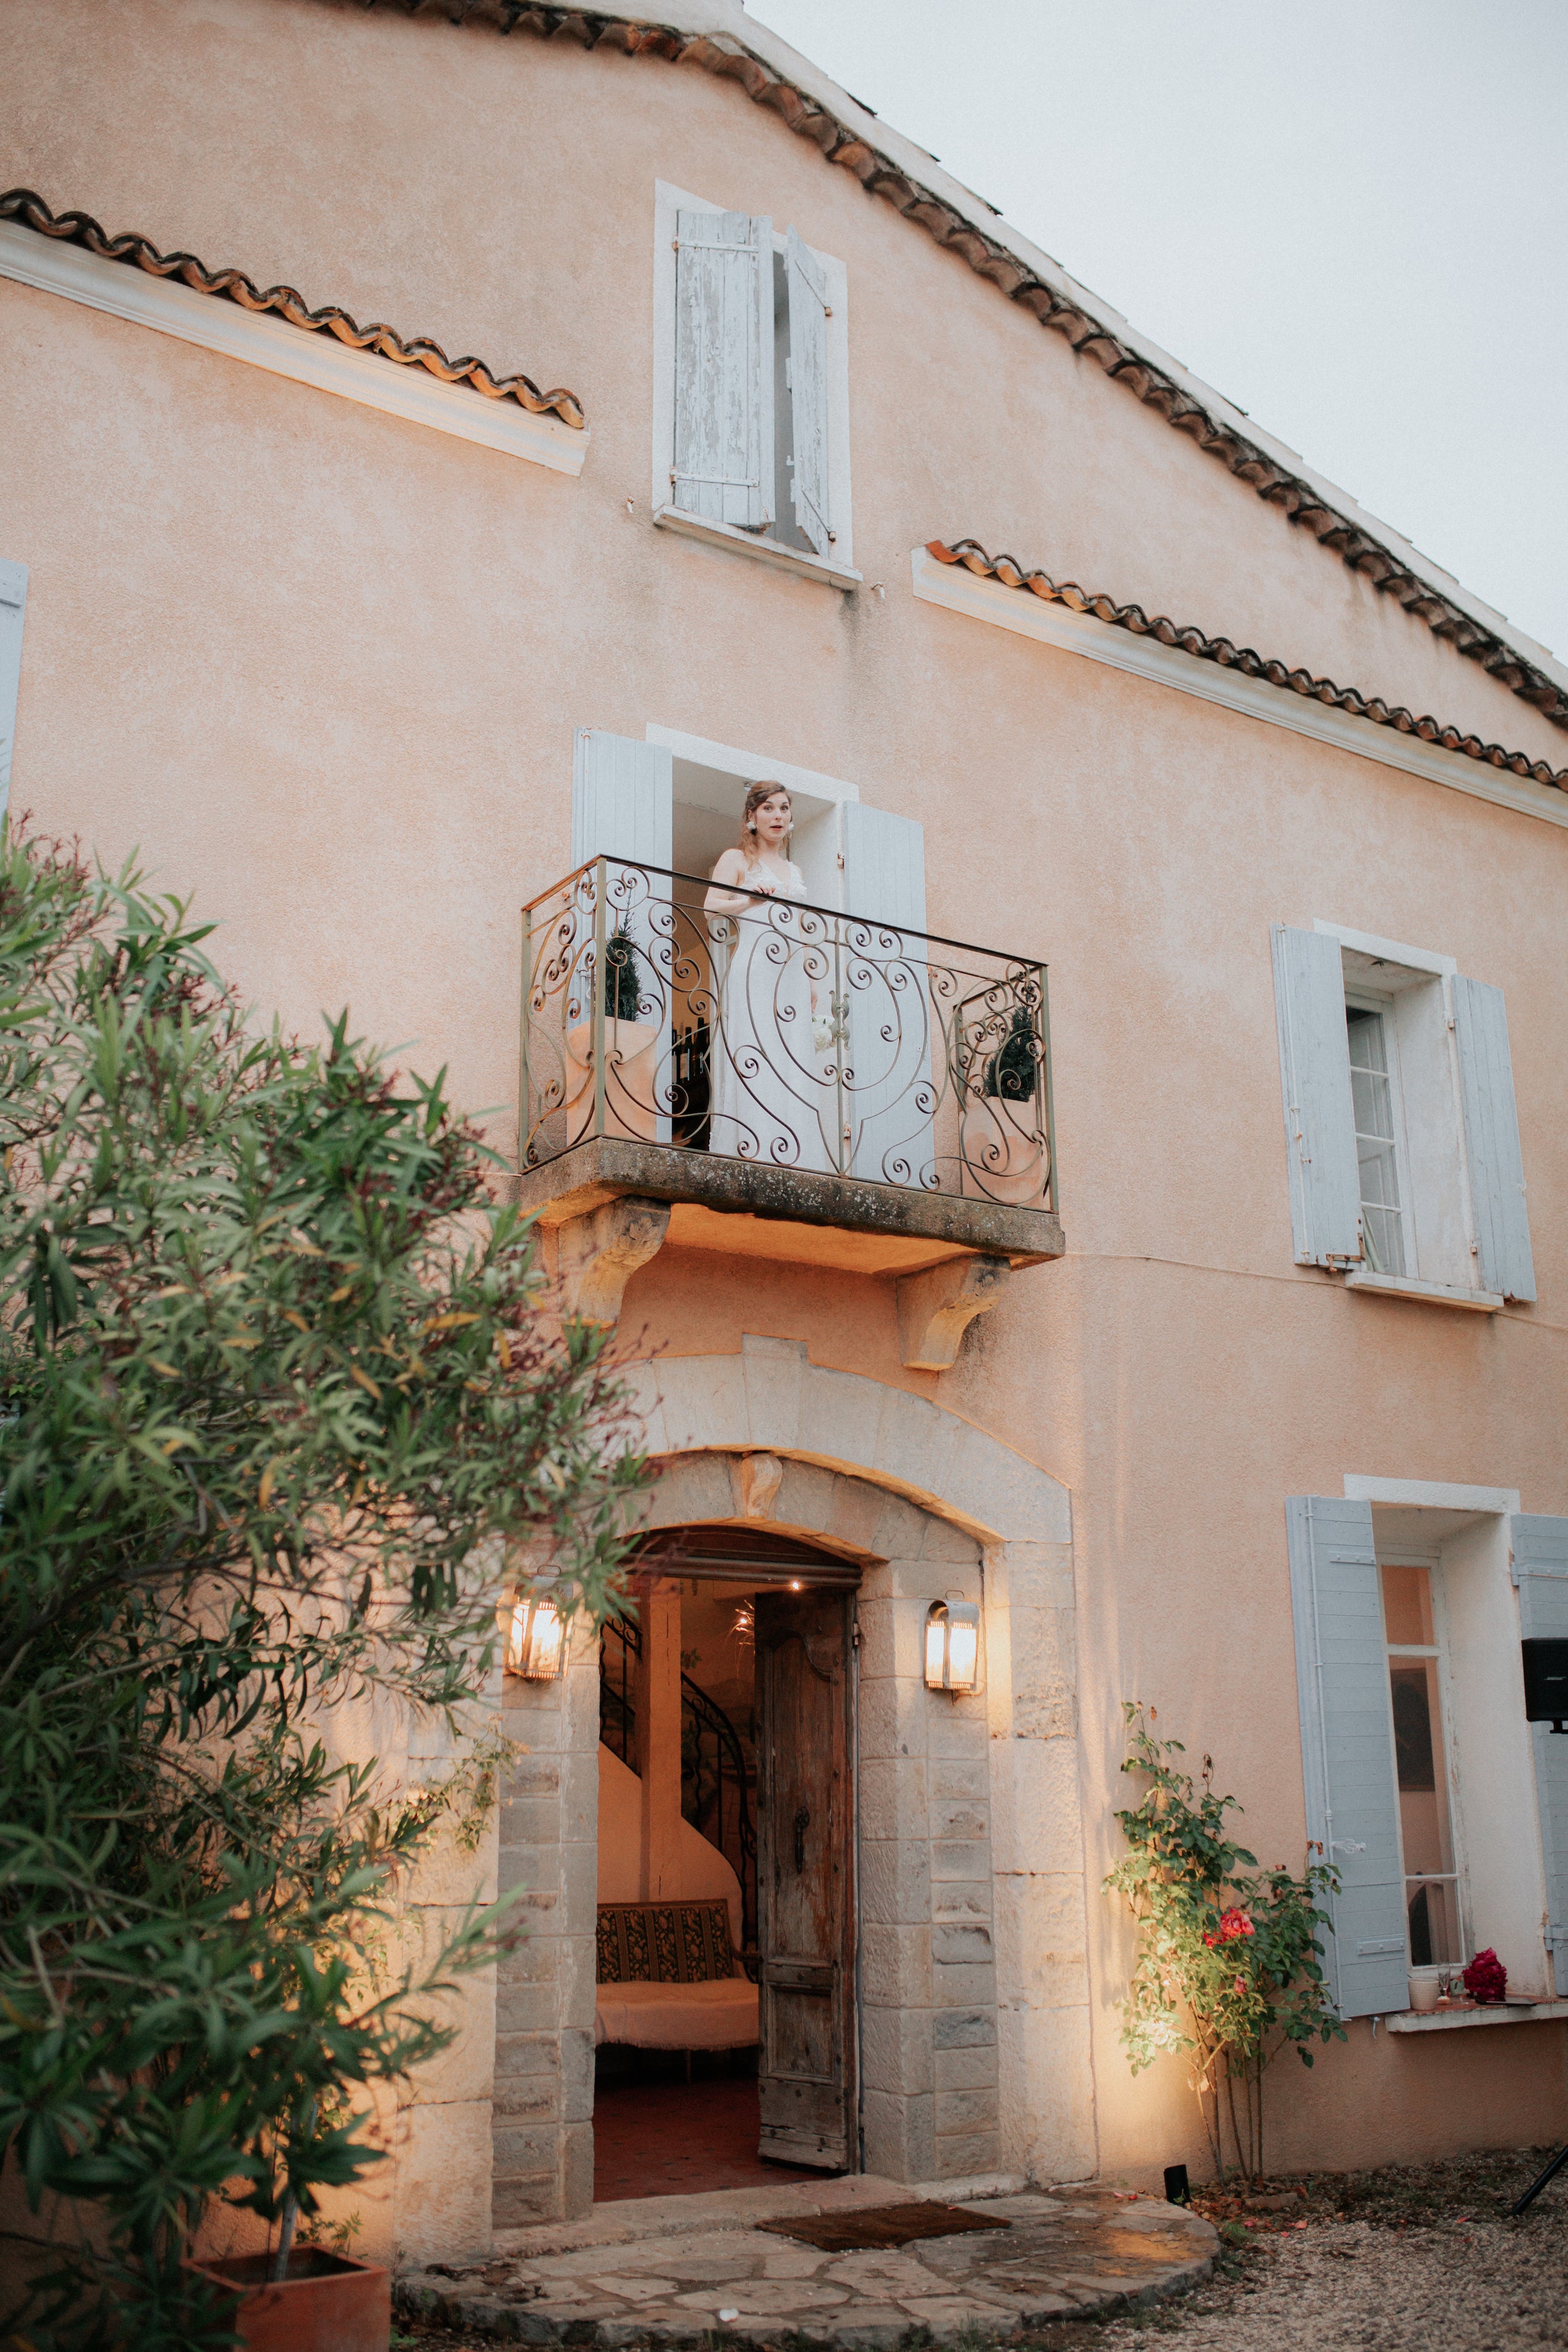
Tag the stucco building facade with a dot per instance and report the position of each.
(1255, 1343)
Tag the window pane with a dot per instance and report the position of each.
(1407, 1607)
(1372, 1098)
(1366, 1040)
(1433, 1912)
(1374, 1106)
(1420, 1767)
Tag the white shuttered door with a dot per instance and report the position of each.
(885, 988)
(884, 866)
(1347, 1748)
(1540, 1566)
(1315, 1079)
(13, 604)
(623, 799)
(623, 805)
(724, 368)
(1491, 1140)
(808, 388)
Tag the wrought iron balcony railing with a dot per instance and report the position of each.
(783, 1034)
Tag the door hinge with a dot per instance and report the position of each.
(855, 1634)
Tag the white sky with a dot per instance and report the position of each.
(1350, 217)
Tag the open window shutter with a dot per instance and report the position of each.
(884, 867)
(13, 604)
(1315, 1077)
(1347, 1748)
(1540, 1570)
(724, 367)
(1491, 1140)
(623, 799)
(808, 388)
(623, 805)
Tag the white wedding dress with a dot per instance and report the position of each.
(774, 1095)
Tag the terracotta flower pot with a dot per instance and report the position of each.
(328, 2303)
(631, 1075)
(1002, 1158)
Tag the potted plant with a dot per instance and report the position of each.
(1001, 1131)
(322, 2302)
(631, 1054)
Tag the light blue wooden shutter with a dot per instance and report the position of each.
(808, 389)
(1315, 1079)
(724, 368)
(1491, 1140)
(884, 866)
(13, 605)
(1540, 1570)
(623, 805)
(886, 1133)
(623, 799)
(1347, 1748)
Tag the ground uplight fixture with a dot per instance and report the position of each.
(953, 1645)
(536, 1638)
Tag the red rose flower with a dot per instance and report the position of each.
(1485, 1979)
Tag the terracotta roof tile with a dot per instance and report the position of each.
(1069, 316)
(81, 228)
(1193, 641)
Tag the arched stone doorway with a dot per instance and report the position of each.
(971, 1970)
(727, 1785)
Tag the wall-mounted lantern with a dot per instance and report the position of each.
(953, 1645)
(536, 1638)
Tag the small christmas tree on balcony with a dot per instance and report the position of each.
(621, 975)
(1012, 1072)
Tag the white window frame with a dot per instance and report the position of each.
(1432, 1561)
(1412, 966)
(1367, 1000)
(1490, 1757)
(836, 570)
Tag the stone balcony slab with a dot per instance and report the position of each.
(748, 1208)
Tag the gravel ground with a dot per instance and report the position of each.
(1408, 2259)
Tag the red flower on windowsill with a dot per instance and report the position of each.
(1485, 1979)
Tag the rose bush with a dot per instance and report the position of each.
(1227, 1969)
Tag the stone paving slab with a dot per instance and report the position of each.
(1068, 2253)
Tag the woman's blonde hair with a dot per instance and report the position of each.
(755, 796)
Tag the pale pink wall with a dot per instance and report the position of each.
(324, 666)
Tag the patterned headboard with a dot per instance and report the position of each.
(664, 1943)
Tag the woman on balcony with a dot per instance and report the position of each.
(774, 1086)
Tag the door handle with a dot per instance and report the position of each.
(802, 1823)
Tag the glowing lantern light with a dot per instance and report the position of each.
(536, 1641)
(953, 1645)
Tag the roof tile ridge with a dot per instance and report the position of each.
(1029, 277)
(139, 252)
(1187, 639)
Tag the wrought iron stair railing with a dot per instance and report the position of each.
(715, 1783)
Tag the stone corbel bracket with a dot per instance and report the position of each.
(937, 1307)
(597, 1254)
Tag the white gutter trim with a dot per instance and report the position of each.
(1027, 615)
(261, 340)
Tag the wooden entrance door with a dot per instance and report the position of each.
(806, 1894)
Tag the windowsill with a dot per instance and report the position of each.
(1436, 1294)
(804, 566)
(1437, 2021)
